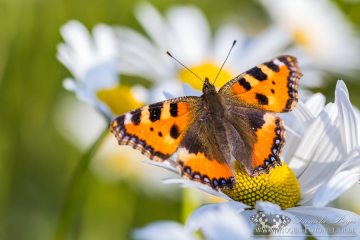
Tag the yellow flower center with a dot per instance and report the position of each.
(207, 69)
(280, 186)
(119, 99)
(302, 38)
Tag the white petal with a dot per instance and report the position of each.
(266, 45)
(348, 174)
(153, 23)
(350, 123)
(79, 43)
(105, 41)
(312, 76)
(171, 86)
(352, 162)
(219, 221)
(189, 91)
(334, 188)
(69, 84)
(68, 112)
(140, 57)
(140, 93)
(267, 207)
(312, 19)
(316, 103)
(318, 149)
(334, 221)
(308, 146)
(191, 33)
(168, 95)
(162, 231)
(296, 122)
(165, 165)
(66, 56)
(192, 184)
(222, 43)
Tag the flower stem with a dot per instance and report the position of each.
(74, 192)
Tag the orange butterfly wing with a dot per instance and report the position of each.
(253, 95)
(157, 129)
(271, 86)
(270, 139)
(201, 159)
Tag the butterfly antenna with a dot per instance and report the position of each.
(232, 46)
(168, 53)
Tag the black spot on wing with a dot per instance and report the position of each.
(192, 142)
(174, 109)
(193, 145)
(174, 131)
(256, 119)
(136, 116)
(155, 111)
(257, 73)
(245, 84)
(262, 99)
(119, 121)
(272, 66)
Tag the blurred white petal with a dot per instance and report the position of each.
(140, 57)
(264, 46)
(312, 24)
(267, 207)
(345, 178)
(349, 121)
(224, 37)
(162, 231)
(140, 93)
(192, 184)
(219, 221)
(190, 32)
(92, 62)
(67, 116)
(189, 91)
(153, 23)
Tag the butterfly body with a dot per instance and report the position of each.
(208, 133)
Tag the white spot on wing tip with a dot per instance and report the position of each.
(127, 118)
(278, 62)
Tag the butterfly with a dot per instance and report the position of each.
(207, 134)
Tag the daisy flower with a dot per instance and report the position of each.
(321, 160)
(93, 61)
(185, 32)
(321, 33)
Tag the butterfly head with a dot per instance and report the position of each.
(208, 88)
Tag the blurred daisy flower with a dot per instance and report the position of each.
(321, 162)
(93, 61)
(185, 32)
(323, 38)
(318, 37)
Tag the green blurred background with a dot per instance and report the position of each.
(36, 161)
